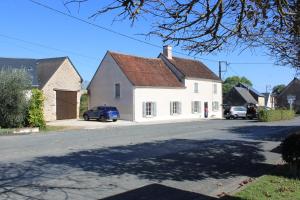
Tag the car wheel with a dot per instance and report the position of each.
(86, 118)
(114, 120)
(236, 116)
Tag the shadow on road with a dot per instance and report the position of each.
(177, 160)
(159, 192)
(264, 133)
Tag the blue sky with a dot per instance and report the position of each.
(86, 45)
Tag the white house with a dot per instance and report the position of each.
(162, 88)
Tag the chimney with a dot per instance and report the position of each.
(167, 51)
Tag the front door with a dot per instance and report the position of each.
(205, 109)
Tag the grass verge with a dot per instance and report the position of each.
(273, 187)
(54, 128)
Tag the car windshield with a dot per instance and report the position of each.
(240, 109)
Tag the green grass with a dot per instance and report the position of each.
(270, 187)
(54, 128)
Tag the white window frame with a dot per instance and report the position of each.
(117, 91)
(149, 109)
(215, 106)
(215, 88)
(196, 87)
(175, 107)
(196, 107)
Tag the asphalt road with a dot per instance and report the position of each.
(190, 160)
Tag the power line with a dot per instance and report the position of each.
(258, 63)
(111, 31)
(47, 47)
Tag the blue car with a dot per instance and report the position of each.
(102, 113)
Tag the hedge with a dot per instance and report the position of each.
(275, 115)
(35, 116)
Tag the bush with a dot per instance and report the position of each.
(290, 149)
(275, 115)
(83, 104)
(13, 86)
(35, 116)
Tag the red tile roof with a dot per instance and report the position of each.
(193, 68)
(146, 71)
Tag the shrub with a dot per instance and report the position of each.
(275, 115)
(83, 104)
(290, 149)
(13, 86)
(35, 116)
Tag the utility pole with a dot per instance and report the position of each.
(220, 68)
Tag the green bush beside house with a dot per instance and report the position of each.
(14, 87)
(275, 115)
(35, 116)
(83, 104)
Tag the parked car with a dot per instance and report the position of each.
(235, 112)
(102, 113)
(252, 112)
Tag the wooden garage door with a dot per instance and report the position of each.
(66, 104)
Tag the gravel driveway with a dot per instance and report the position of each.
(187, 160)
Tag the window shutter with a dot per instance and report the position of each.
(154, 109)
(179, 107)
(144, 109)
(171, 108)
(193, 111)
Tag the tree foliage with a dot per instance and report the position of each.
(35, 116)
(14, 84)
(278, 89)
(232, 81)
(208, 26)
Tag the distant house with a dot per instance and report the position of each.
(292, 90)
(57, 78)
(163, 88)
(269, 100)
(239, 96)
(259, 97)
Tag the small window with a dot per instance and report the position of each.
(149, 109)
(215, 106)
(175, 107)
(196, 106)
(196, 87)
(215, 89)
(117, 91)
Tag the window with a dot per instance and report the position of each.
(175, 107)
(215, 106)
(215, 89)
(196, 106)
(149, 109)
(117, 91)
(196, 87)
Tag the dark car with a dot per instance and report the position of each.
(102, 113)
(252, 112)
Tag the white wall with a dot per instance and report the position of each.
(102, 88)
(163, 97)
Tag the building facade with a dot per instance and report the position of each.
(163, 88)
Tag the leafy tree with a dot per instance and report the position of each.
(14, 84)
(35, 115)
(230, 82)
(278, 89)
(83, 103)
(207, 26)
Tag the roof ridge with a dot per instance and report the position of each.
(124, 54)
